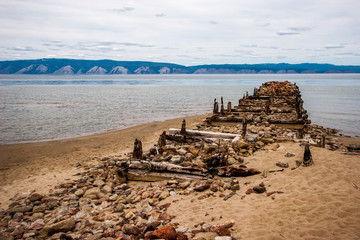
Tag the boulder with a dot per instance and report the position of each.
(167, 233)
(62, 226)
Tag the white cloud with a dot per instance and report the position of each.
(207, 31)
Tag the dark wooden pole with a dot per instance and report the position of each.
(307, 160)
(183, 128)
(138, 152)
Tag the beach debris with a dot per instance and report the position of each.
(229, 196)
(273, 192)
(353, 147)
(307, 160)
(138, 151)
(289, 155)
(322, 141)
(282, 164)
(216, 107)
(183, 128)
(257, 189)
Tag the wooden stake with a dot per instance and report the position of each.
(138, 152)
(307, 160)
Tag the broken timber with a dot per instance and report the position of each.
(276, 102)
(206, 134)
(146, 171)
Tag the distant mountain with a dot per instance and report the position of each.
(73, 66)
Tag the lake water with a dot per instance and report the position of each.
(49, 107)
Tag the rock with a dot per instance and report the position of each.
(39, 209)
(202, 187)
(67, 184)
(62, 226)
(177, 159)
(267, 140)
(164, 195)
(131, 229)
(51, 203)
(99, 182)
(249, 191)
(259, 189)
(231, 161)
(106, 189)
(242, 144)
(79, 192)
(184, 185)
(214, 188)
(181, 151)
(37, 225)
(21, 209)
(130, 215)
(220, 229)
(35, 197)
(223, 238)
(181, 236)
(282, 165)
(92, 193)
(229, 224)
(189, 156)
(193, 150)
(260, 143)
(167, 233)
(289, 154)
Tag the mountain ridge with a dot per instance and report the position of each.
(106, 66)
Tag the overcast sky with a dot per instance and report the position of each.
(188, 32)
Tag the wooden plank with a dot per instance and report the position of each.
(205, 133)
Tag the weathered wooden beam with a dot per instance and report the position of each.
(278, 121)
(204, 133)
(217, 118)
(154, 171)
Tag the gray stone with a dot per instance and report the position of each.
(62, 226)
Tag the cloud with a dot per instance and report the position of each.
(24, 49)
(299, 29)
(333, 46)
(122, 10)
(213, 22)
(287, 33)
(160, 15)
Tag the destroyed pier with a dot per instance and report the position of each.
(273, 113)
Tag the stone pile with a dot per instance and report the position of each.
(96, 206)
(275, 88)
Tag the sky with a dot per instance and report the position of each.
(187, 32)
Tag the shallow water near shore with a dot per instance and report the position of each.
(48, 107)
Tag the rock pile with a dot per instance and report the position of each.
(96, 206)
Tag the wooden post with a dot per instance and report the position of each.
(138, 152)
(307, 160)
(247, 95)
(222, 110)
(322, 141)
(162, 140)
(300, 133)
(229, 107)
(183, 128)
(216, 107)
(244, 128)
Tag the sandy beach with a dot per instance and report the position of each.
(317, 202)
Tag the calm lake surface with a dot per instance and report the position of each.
(49, 107)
